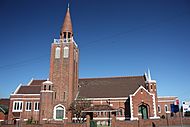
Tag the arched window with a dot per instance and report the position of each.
(159, 109)
(44, 87)
(57, 53)
(166, 108)
(59, 112)
(143, 110)
(66, 52)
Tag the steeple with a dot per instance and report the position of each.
(67, 26)
(149, 75)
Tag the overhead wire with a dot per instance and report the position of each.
(91, 43)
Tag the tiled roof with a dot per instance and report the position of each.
(29, 90)
(4, 101)
(113, 87)
(34, 87)
(67, 25)
(37, 82)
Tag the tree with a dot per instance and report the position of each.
(77, 107)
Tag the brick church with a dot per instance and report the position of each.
(129, 98)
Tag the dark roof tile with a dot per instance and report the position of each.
(37, 82)
(4, 101)
(29, 90)
(110, 87)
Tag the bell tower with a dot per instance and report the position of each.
(151, 87)
(64, 66)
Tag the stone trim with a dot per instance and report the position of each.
(131, 107)
(17, 89)
(24, 98)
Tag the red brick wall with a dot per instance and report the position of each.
(50, 125)
(142, 97)
(24, 114)
(166, 101)
(148, 123)
(64, 74)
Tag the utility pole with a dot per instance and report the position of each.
(109, 115)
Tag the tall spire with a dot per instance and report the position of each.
(67, 25)
(149, 75)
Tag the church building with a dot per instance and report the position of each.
(128, 97)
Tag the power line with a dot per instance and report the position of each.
(22, 63)
(90, 43)
(134, 30)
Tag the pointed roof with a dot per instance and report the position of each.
(67, 25)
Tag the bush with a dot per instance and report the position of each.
(187, 114)
(93, 123)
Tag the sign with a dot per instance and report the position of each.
(174, 108)
(186, 106)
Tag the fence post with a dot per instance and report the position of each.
(88, 121)
(113, 121)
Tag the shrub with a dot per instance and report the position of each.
(187, 114)
(93, 123)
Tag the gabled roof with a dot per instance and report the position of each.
(29, 90)
(111, 87)
(34, 87)
(36, 82)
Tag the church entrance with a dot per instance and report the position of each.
(143, 110)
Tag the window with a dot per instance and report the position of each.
(159, 109)
(151, 86)
(49, 87)
(64, 33)
(44, 87)
(121, 112)
(57, 53)
(69, 35)
(59, 112)
(66, 52)
(64, 96)
(55, 95)
(36, 106)
(166, 108)
(17, 106)
(28, 106)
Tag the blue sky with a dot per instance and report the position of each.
(115, 37)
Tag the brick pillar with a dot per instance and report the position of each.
(140, 121)
(88, 120)
(69, 116)
(113, 120)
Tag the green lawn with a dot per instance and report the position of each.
(102, 126)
